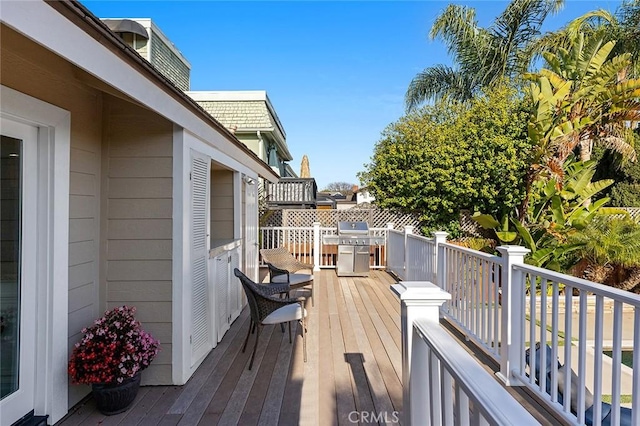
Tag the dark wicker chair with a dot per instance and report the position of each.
(283, 267)
(267, 309)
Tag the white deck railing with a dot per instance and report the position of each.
(507, 307)
(443, 383)
(306, 244)
(395, 252)
(473, 280)
(577, 326)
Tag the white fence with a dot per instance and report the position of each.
(306, 244)
(443, 383)
(574, 321)
(395, 252)
(473, 280)
(580, 331)
(564, 338)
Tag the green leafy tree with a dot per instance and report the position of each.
(482, 56)
(625, 192)
(443, 158)
(554, 215)
(578, 101)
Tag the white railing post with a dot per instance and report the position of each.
(407, 231)
(316, 246)
(440, 237)
(390, 226)
(419, 300)
(512, 336)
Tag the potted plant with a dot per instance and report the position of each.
(111, 356)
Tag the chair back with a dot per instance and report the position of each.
(281, 258)
(250, 288)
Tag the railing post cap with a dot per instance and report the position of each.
(440, 234)
(408, 228)
(511, 250)
(316, 223)
(420, 290)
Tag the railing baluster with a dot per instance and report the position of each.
(532, 326)
(635, 399)
(496, 312)
(597, 361)
(447, 397)
(555, 306)
(617, 363)
(582, 355)
(462, 401)
(436, 389)
(477, 307)
(543, 334)
(566, 392)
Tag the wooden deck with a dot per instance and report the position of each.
(354, 366)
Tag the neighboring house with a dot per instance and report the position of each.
(252, 118)
(363, 196)
(146, 38)
(117, 188)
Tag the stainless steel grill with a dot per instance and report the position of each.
(354, 241)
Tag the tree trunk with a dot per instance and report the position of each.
(586, 146)
(632, 281)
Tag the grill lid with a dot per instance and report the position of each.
(353, 228)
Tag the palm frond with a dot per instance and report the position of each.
(436, 83)
(619, 145)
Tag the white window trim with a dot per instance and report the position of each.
(52, 294)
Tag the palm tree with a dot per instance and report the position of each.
(482, 56)
(622, 26)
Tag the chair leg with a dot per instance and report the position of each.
(289, 331)
(304, 339)
(255, 346)
(247, 338)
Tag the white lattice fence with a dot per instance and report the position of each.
(376, 218)
(634, 212)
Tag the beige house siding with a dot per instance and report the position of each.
(222, 205)
(137, 214)
(53, 81)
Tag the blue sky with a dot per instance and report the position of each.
(336, 72)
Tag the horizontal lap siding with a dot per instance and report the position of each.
(30, 69)
(221, 205)
(139, 223)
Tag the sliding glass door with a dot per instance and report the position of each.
(18, 180)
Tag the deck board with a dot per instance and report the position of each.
(353, 349)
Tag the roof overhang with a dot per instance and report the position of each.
(75, 34)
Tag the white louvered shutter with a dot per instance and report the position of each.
(201, 341)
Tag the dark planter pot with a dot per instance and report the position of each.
(115, 398)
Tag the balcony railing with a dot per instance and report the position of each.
(583, 330)
(292, 192)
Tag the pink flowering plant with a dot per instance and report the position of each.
(113, 349)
